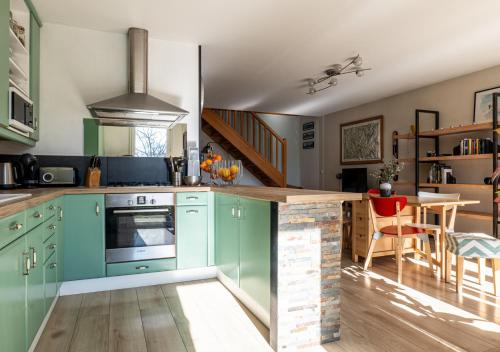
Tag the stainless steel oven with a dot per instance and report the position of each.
(140, 227)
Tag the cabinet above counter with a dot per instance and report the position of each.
(272, 194)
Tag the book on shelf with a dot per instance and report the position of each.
(472, 146)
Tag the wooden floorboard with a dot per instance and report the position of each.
(422, 314)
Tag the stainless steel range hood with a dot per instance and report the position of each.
(136, 108)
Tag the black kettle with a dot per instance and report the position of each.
(30, 170)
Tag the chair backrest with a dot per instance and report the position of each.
(453, 208)
(386, 206)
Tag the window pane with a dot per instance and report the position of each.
(150, 142)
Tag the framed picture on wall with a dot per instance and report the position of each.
(483, 104)
(308, 135)
(308, 126)
(308, 145)
(362, 141)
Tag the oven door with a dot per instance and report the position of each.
(139, 233)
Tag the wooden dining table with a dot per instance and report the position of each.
(439, 204)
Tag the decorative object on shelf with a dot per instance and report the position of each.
(483, 104)
(229, 172)
(362, 142)
(386, 176)
(209, 162)
(351, 65)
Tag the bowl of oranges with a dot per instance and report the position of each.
(228, 172)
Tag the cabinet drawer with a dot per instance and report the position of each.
(50, 277)
(50, 209)
(50, 228)
(49, 247)
(35, 216)
(140, 267)
(192, 198)
(12, 227)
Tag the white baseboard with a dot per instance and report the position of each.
(44, 323)
(136, 280)
(248, 301)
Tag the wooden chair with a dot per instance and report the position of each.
(435, 230)
(474, 245)
(388, 207)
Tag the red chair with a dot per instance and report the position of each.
(388, 207)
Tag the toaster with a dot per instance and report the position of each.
(58, 176)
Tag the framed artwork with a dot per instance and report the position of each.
(308, 135)
(308, 145)
(483, 104)
(362, 142)
(308, 126)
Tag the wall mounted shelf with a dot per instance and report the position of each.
(456, 185)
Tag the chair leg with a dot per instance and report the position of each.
(399, 258)
(481, 266)
(448, 265)
(496, 275)
(460, 273)
(428, 252)
(437, 245)
(368, 258)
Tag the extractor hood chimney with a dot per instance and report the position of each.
(137, 107)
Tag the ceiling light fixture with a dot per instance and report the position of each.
(353, 65)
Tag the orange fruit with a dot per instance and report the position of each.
(208, 162)
(217, 157)
(234, 170)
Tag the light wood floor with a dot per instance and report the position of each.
(377, 315)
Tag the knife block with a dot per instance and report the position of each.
(93, 177)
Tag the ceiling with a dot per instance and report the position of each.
(257, 54)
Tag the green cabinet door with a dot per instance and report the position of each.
(191, 236)
(255, 250)
(35, 74)
(227, 243)
(84, 237)
(60, 240)
(4, 63)
(35, 284)
(13, 260)
(50, 277)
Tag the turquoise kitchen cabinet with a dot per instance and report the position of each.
(50, 279)
(35, 296)
(84, 237)
(255, 250)
(60, 240)
(12, 227)
(227, 241)
(192, 236)
(35, 75)
(13, 268)
(141, 267)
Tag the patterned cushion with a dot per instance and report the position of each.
(478, 245)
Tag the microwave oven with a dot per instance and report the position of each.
(20, 112)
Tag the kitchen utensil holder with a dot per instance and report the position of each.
(93, 177)
(177, 178)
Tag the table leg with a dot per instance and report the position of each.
(442, 263)
(417, 242)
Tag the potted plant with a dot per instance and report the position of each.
(386, 176)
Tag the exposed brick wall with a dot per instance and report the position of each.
(308, 244)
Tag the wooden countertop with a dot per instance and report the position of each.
(273, 194)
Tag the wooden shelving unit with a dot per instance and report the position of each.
(485, 126)
(456, 185)
(455, 157)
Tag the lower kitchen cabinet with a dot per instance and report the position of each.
(13, 261)
(84, 237)
(141, 267)
(60, 240)
(192, 236)
(227, 238)
(255, 250)
(50, 279)
(35, 290)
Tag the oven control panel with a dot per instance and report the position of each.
(139, 200)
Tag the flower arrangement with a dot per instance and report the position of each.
(388, 172)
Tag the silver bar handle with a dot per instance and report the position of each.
(34, 256)
(27, 264)
(60, 213)
(192, 197)
(97, 209)
(239, 213)
(141, 211)
(232, 211)
(142, 267)
(191, 211)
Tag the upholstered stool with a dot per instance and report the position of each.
(474, 245)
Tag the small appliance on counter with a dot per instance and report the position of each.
(9, 175)
(30, 170)
(58, 176)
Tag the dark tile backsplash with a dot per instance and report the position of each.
(113, 169)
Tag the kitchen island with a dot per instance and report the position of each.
(305, 234)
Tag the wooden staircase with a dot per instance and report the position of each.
(246, 137)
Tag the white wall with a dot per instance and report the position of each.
(311, 158)
(289, 127)
(81, 66)
(454, 99)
